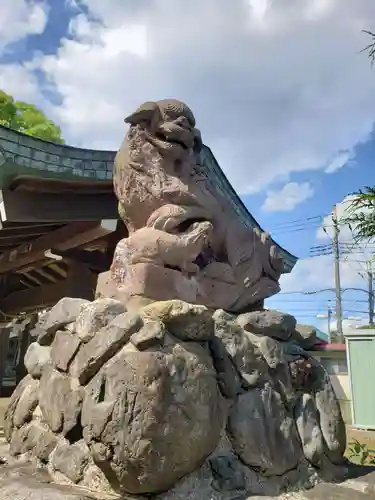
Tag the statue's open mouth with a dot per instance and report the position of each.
(179, 143)
(162, 137)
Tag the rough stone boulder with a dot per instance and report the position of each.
(267, 322)
(273, 450)
(175, 401)
(156, 415)
(305, 335)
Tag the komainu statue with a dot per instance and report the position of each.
(185, 240)
(176, 390)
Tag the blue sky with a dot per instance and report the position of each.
(299, 237)
(280, 91)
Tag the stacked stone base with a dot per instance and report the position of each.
(175, 401)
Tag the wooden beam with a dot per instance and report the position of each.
(80, 283)
(70, 236)
(94, 260)
(20, 226)
(35, 297)
(58, 270)
(15, 240)
(6, 245)
(22, 231)
(33, 279)
(25, 283)
(102, 228)
(50, 185)
(47, 275)
(36, 207)
(30, 252)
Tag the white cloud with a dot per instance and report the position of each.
(343, 211)
(317, 273)
(347, 324)
(350, 323)
(258, 10)
(339, 161)
(269, 101)
(16, 80)
(19, 18)
(288, 197)
(318, 8)
(117, 41)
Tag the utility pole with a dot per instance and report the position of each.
(329, 315)
(336, 260)
(370, 278)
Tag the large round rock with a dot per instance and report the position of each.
(151, 418)
(263, 433)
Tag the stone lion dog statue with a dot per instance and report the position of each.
(185, 240)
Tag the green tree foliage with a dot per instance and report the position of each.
(28, 119)
(370, 48)
(361, 212)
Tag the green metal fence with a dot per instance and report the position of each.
(361, 366)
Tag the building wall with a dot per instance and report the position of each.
(341, 385)
(337, 367)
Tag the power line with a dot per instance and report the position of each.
(321, 290)
(305, 292)
(306, 301)
(344, 247)
(299, 221)
(366, 272)
(341, 250)
(312, 316)
(297, 225)
(295, 229)
(316, 309)
(309, 316)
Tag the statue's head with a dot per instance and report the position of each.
(170, 125)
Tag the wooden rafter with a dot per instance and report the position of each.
(70, 236)
(58, 270)
(50, 185)
(43, 272)
(95, 260)
(80, 282)
(34, 298)
(33, 279)
(23, 206)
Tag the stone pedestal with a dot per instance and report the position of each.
(173, 400)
